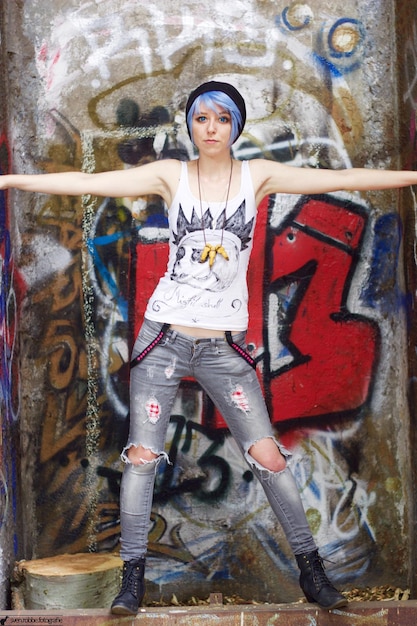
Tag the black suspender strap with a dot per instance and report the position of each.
(151, 346)
(239, 350)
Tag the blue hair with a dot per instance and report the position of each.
(213, 100)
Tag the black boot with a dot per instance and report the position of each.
(129, 599)
(315, 584)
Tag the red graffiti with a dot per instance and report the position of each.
(306, 264)
(148, 264)
(333, 352)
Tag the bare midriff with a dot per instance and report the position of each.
(199, 332)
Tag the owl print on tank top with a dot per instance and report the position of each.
(193, 292)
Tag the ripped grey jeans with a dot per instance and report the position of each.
(232, 384)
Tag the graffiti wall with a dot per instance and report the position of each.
(97, 86)
(11, 293)
(10, 526)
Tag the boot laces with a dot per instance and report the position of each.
(131, 575)
(319, 575)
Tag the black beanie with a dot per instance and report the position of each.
(226, 88)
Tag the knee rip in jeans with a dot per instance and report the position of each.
(255, 463)
(157, 456)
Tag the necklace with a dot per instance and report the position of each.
(210, 251)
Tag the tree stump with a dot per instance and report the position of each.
(67, 581)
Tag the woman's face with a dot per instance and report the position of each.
(211, 129)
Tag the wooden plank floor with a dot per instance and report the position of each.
(389, 613)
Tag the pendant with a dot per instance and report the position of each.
(210, 253)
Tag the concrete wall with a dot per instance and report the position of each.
(10, 301)
(100, 85)
(407, 97)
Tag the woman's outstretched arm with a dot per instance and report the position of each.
(159, 178)
(271, 177)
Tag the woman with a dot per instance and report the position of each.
(196, 319)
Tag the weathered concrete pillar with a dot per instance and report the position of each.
(406, 27)
(10, 389)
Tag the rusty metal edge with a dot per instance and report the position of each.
(390, 613)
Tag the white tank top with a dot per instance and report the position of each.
(191, 293)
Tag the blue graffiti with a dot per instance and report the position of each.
(6, 357)
(303, 21)
(339, 49)
(339, 46)
(382, 290)
(93, 245)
